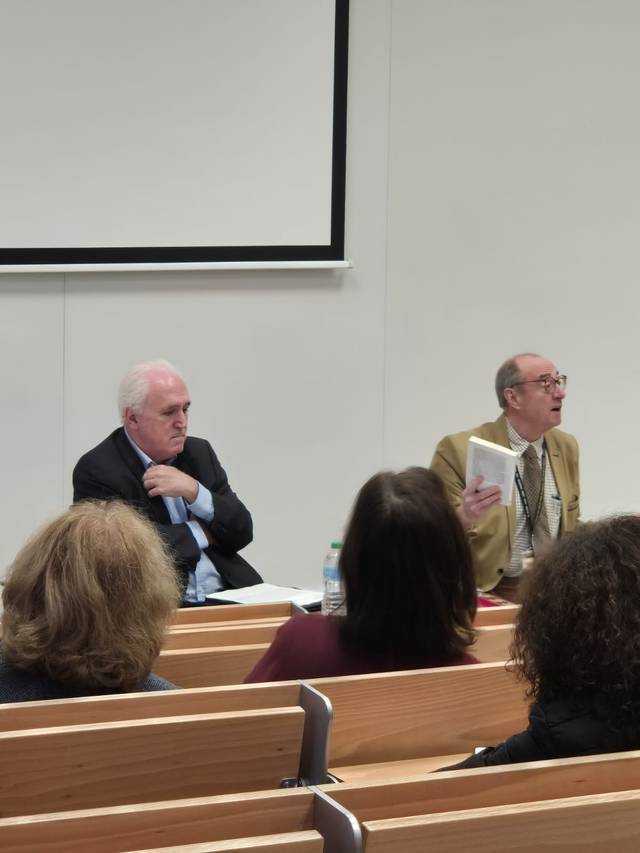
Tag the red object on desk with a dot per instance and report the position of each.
(494, 601)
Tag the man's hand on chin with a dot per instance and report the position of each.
(166, 481)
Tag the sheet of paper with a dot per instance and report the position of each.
(262, 592)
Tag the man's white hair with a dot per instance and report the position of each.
(134, 387)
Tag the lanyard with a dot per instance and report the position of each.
(523, 497)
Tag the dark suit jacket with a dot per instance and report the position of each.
(114, 470)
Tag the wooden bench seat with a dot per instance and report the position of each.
(288, 817)
(130, 761)
(235, 612)
(539, 803)
(489, 787)
(142, 706)
(245, 615)
(289, 842)
(579, 804)
(602, 822)
(186, 627)
(208, 667)
(156, 824)
(385, 771)
(230, 664)
(492, 643)
(422, 714)
(227, 635)
(503, 614)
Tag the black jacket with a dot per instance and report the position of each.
(558, 729)
(114, 470)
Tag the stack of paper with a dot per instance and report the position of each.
(262, 592)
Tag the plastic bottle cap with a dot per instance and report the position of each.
(335, 546)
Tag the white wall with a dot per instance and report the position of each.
(32, 381)
(514, 221)
(285, 368)
(166, 124)
(503, 215)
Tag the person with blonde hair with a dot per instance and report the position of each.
(86, 605)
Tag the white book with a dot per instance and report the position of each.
(497, 464)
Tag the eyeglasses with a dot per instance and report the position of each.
(548, 383)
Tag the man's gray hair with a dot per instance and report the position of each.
(508, 374)
(134, 387)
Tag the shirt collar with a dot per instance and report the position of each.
(146, 460)
(520, 444)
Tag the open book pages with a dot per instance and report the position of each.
(262, 592)
(495, 463)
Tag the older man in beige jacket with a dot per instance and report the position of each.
(531, 393)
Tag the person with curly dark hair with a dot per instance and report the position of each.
(577, 644)
(409, 583)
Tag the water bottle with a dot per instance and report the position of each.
(333, 597)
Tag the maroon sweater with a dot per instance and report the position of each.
(311, 647)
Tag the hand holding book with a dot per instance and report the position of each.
(492, 465)
(476, 500)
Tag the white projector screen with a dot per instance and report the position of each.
(151, 131)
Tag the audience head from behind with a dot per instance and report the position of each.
(407, 569)
(577, 637)
(86, 605)
(577, 644)
(409, 583)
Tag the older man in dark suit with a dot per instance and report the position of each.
(175, 480)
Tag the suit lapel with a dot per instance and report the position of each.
(559, 474)
(128, 454)
(184, 462)
(155, 506)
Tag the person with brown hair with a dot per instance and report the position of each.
(86, 606)
(409, 585)
(577, 645)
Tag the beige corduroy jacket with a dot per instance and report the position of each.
(492, 535)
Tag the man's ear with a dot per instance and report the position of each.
(129, 418)
(510, 398)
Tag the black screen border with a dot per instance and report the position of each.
(170, 255)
